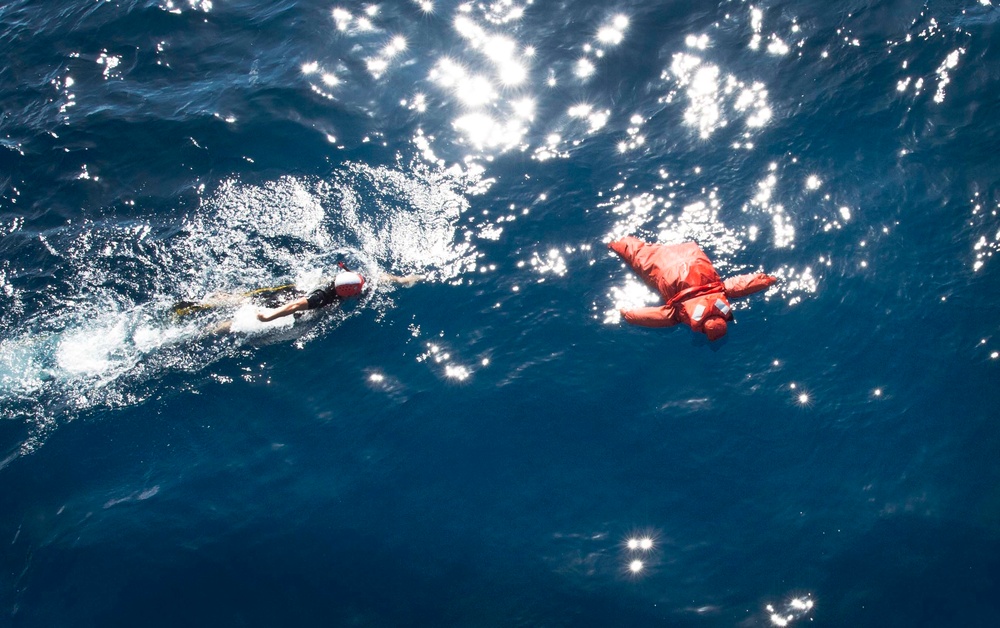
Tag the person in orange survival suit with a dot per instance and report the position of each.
(691, 287)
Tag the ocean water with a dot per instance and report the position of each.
(494, 446)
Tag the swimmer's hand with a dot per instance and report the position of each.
(263, 317)
(405, 281)
(410, 280)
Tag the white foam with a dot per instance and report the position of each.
(93, 350)
(245, 322)
(20, 369)
(150, 338)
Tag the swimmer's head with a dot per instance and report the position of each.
(348, 284)
(715, 328)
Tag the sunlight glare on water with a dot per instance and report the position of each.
(985, 219)
(628, 294)
(496, 113)
(157, 153)
(178, 6)
(781, 223)
(793, 610)
(613, 32)
(423, 236)
(712, 97)
(436, 354)
(697, 220)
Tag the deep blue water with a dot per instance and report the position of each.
(479, 449)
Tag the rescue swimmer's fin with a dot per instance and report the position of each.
(184, 308)
(264, 292)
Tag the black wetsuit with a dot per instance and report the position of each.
(322, 297)
(270, 298)
(274, 297)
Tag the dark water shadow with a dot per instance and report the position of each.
(914, 571)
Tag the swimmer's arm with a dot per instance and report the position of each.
(291, 307)
(401, 280)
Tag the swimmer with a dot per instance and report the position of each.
(288, 299)
(344, 286)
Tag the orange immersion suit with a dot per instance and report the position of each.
(691, 287)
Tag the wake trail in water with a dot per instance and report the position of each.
(107, 335)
